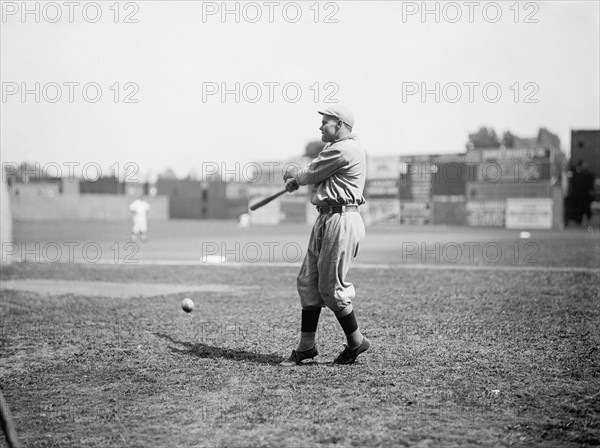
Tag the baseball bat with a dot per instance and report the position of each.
(265, 201)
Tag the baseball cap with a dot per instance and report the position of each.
(341, 112)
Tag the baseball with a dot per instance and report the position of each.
(187, 305)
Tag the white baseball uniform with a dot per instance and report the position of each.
(338, 178)
(140, 209)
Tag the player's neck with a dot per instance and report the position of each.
(343, 134)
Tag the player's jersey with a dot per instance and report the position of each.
(139, 208)
(338, 174)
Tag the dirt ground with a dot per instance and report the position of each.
(459, 358)
(480, 338)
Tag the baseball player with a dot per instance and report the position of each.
(244, 221)
(338, 179)
(140, 209)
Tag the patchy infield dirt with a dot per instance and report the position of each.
(459, 358)
(45, 287)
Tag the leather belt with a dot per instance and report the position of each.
(337, 209)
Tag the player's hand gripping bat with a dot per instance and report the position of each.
(292, 185)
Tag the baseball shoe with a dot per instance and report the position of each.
(348, 356)
(298, 356)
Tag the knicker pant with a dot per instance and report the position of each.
(140, 224)
(334, 241)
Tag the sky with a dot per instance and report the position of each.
(419, 76)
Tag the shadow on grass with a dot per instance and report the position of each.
(207, 351)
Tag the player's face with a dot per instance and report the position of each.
(329, 128)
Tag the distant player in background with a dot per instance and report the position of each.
(244, 221)
(140, 209)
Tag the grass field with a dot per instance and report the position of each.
(471, 351)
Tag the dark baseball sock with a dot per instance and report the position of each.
(351, 330)
(308, 328)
